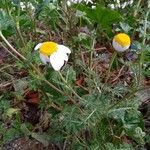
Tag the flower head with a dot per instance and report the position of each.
(69, 2)
(54, 53)
(121, 42)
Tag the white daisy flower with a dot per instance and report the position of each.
(69, 2)
(54, 53)
(29, 5)
(121, 42)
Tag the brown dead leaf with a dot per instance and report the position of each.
(30, 113)
(80, 80)
(3, 55)
(146, 82)
(1, 62)
(125, 139)
(44, 121)
(32, 97)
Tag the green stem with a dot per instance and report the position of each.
(63, 79)
(19, 34)
(137, 8)
(91, 54)
(110, 66)
(10, 46)
(32, 18)
(16, 22)
(144, 40)
(89, 116)
(9, 51)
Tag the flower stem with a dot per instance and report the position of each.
(110, 66)
(137, 8)
(10, 46)
(9, 51)
(92, 51)
(16, 22)
(19, 34)
(144, 40)
(63, 79)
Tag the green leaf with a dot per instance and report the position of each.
(10, 134)
(25, 130)
(139, 133)
(5, 21)
(119, 113)
(20, 85)
(4, 4)
(4, 104)
(11, 111)
(41, 138)
(125, 146)
(102, 16)
(125, 27)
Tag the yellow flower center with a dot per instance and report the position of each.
(122, 39)
(47, 48)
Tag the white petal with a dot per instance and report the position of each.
(88, 1)
(118, 47)
(68, 3)
(37, 46)
(44, 58)
(62, 55)
(64, 49)
(56, 61)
